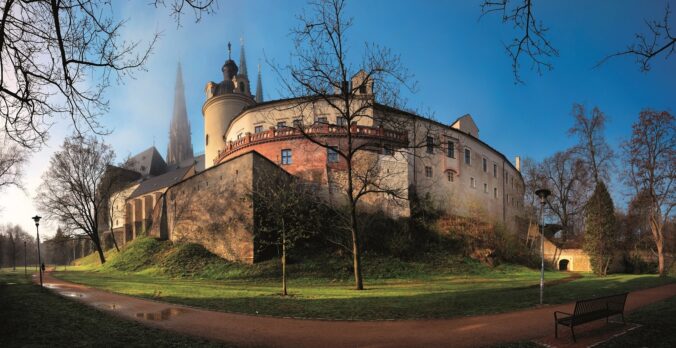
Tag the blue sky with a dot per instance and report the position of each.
(458, 60)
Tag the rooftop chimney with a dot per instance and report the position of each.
(517, 163)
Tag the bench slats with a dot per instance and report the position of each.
(592, 309)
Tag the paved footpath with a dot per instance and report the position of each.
(249, 330)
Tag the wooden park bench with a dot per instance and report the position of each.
(591, 310)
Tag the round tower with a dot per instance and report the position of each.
(224, 102)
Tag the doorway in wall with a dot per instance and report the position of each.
(563, 265)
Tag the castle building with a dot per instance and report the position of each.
(246, 139)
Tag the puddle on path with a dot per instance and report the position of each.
(51, 286)
(72, 294)
(164, 314)
(111, 306)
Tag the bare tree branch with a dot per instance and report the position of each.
(531, 42)
(658, 41)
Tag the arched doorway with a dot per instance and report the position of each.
(563, 265)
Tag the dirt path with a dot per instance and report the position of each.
(247, 330)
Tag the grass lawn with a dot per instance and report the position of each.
(433, 286)
(30, 316)
(432, 297)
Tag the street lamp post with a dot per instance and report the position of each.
(25, 267)
(543, 194)
(37, 218)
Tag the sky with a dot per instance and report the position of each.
(457, 58)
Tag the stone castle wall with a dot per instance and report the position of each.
(215, 208)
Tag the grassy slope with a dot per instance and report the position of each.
(30, 316)
(436, 286)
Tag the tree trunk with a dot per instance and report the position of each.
(356, 256)
(97, 244)
(660, 260)
(284, 293)
(112, 235)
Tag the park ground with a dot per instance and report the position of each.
(431, 287)
(426, 288)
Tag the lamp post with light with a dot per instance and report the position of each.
(543, 194)
(37, 218)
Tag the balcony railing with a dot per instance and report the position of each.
(322, 130)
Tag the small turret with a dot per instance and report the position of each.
(225, 100)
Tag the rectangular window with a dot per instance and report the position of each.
(428, 172)
(450, 150)
(258, 129)
(495, 170)
(331, 154)
(281, 124)
(286, 156)
(450, 176)
(495, 192)
(297, 123)
(485, 188)
(472, 183)
(485, 165)
(322, 120)
(468, 157)
(341, 121)
(430, 144)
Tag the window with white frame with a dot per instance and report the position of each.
(286, 156)
(258, 129)
(450, 149)
(472, 183)
(428, 172)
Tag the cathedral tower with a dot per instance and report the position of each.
(225, 100)
(179, 150)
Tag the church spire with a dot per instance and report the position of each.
(242, 58)
(180, 145)
(259, 87)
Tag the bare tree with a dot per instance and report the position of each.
(178, 7)
(289, 214)
(531, 43)
(658, 41)
(651, 155)
(566, 176)
(323, 77)
(57, 58)
(71, 188)
(12, 160)
(592, 147)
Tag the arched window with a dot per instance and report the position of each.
(241, 86)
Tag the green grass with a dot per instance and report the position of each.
(434, 286)
(33, 317)
(657, 330)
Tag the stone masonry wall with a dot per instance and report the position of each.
(215, 208)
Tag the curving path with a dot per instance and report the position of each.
(247, 330)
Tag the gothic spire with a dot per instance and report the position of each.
(242, 59)
(259, 87)
(180, 145)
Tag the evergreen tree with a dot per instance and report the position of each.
(600, 229)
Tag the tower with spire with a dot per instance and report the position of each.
(179, 150)
(259, 87)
